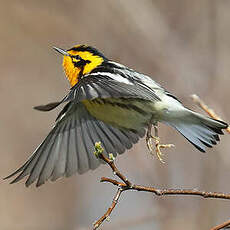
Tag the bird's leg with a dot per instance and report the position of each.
(158, 146)
(149, 138)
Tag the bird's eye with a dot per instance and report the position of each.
(79, 61)
(77, 57)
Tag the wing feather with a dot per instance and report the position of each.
(60, 166)
(117, 83)
(69, 146)
(108, 139)
(83, 162)
(87, 141)
(96, 85)
(48, 166)
(72, 159)
(37, 168)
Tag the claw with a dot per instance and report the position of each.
(158, 146)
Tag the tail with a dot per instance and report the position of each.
(199, 130)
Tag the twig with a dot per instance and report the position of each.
(208, 110)
(116, 172)
(127, 185)
(110, 209)
(222, 226)
(212, 114)
(110, 161)
(165, 192)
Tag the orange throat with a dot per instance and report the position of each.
(72, 73)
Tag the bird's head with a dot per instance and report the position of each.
(80, 60)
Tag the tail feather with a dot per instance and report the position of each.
(199, 130)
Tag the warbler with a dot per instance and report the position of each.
(113, 104)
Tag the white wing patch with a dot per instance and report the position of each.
(116, 77)
(118, 64)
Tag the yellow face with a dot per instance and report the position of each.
(81, 60)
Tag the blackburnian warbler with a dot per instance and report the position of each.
(111, 103)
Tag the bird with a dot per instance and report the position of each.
(113, 104)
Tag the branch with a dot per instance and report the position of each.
(225, 225)
(212, 114)
(127, 185)
(110, 209)
(116, 172)
(166, 192)
(208, 110)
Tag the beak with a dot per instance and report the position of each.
(61, 51)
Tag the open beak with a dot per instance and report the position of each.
(61, 51)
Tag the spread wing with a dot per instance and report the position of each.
(69, 146)
(107, 83)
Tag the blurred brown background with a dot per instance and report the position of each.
(184, 45)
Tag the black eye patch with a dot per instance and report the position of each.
(81, 62)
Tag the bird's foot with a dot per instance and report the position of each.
(159, 146)
(149, 141)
